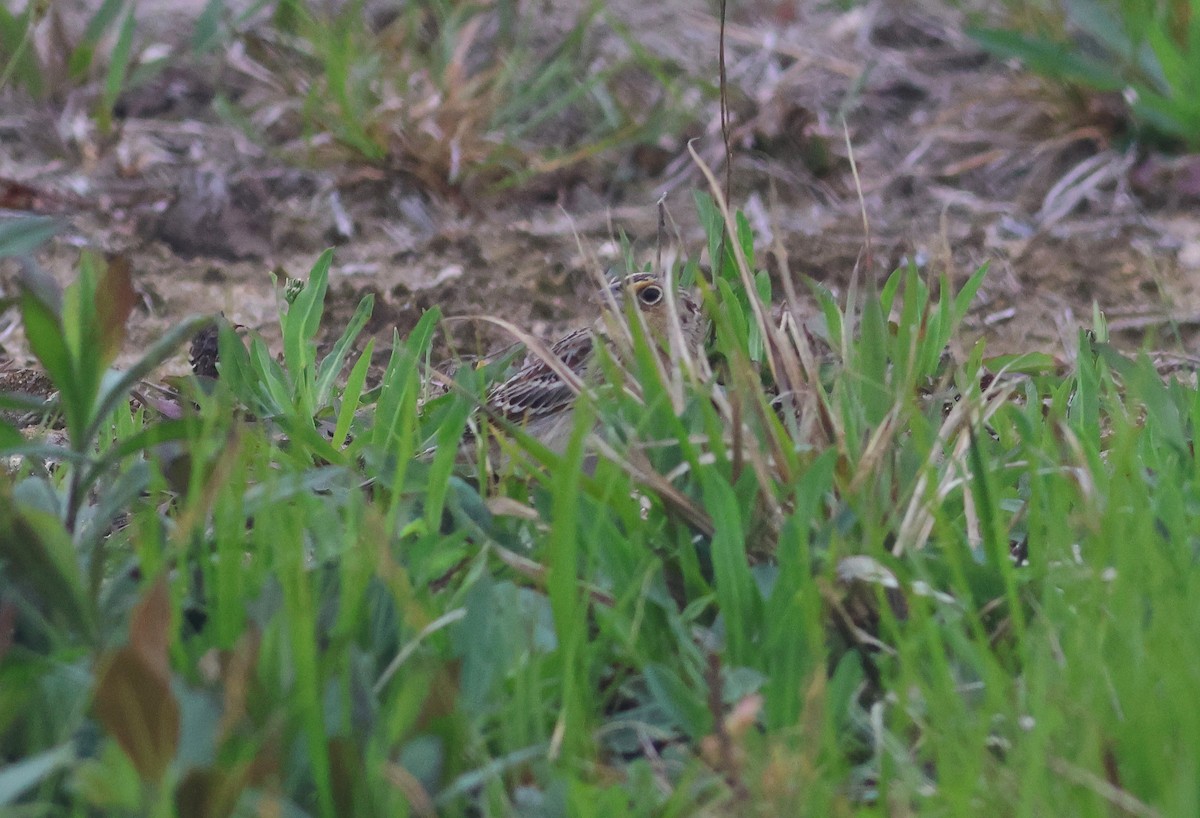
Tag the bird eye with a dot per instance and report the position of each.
(650, 295)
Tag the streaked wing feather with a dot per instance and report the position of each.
(536, 391)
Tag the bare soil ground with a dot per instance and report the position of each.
(961, 160)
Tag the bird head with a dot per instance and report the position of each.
(647, 293)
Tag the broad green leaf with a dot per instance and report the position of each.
(37, 553)
(44, 331)
(21, 236)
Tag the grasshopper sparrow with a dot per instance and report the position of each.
(540, 400)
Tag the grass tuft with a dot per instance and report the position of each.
(826, 569)
(1146, 51)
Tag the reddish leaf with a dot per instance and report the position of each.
(345, 768)
(115, 299)
(150, 628)
(211, 793)
(239, 670)
(133, 698)
(8, 626)
(135, 705)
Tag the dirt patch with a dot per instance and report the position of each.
(960, 161)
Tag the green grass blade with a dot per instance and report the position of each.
(118, 69)
(331, 367)
(737, 595)
(352, 394)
